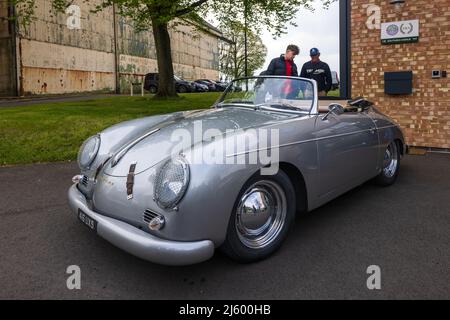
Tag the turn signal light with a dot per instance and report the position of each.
(156, 223)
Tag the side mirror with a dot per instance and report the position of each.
(335, 108)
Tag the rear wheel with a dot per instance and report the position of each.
(262, 216)
(182, 89)
(152, 89)
(391, 165)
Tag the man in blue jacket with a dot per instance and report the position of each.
(319, 71)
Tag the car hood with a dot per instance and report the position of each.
(157, 141)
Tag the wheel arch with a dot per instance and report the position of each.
(298, 181)
(401, 145)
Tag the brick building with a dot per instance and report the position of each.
(78, 51)
(425, 114)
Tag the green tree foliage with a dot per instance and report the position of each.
(232, 55)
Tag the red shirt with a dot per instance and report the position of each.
(288, 89)
(288, 67)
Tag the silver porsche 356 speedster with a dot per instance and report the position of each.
(172, 188)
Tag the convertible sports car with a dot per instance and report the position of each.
(159, 199)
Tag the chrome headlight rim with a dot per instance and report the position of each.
(85, 164)
(158, 186)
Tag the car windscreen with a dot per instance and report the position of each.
(278, 93)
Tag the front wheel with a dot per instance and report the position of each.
(262, 216)
(391, 165)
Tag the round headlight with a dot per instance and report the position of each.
(88, 151)
(171, 183)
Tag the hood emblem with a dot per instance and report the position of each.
(130, 180)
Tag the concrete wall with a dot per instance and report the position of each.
(7, 70)
(424, 115)
(75, 51)
(57, 59)
(55, 68)
(194, 53)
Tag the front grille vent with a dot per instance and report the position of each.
(149, 215)
(85, 181)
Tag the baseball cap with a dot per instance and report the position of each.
(314, 52)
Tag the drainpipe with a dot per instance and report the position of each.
(345, 49)
(20, 66)
(17, 89)
(116, 53)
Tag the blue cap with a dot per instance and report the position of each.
(314, 52)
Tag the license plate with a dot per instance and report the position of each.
(86, 220)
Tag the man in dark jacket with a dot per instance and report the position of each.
(319, 71)
(284, 65)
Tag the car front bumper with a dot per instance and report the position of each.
(140, 243)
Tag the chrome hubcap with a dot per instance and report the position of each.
(390, 162)
(261, 214)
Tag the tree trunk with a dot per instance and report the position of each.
(166, 87)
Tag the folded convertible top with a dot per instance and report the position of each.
(360, 102)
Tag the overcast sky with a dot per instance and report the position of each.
(318, 29)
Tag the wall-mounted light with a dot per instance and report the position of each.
(398, 4)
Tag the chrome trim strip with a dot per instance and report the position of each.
(124, 150)
(387, 127)
(299, 111)
(305, 141)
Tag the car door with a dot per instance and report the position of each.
(347, 146)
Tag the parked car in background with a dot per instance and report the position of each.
(151, 84)
(200, 87)
(184, 86)
(335, 80)
(211, 84)
(220, 86)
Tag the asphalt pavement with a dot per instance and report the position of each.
(403, 229)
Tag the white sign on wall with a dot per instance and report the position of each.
(74, 19)
(400, 32)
